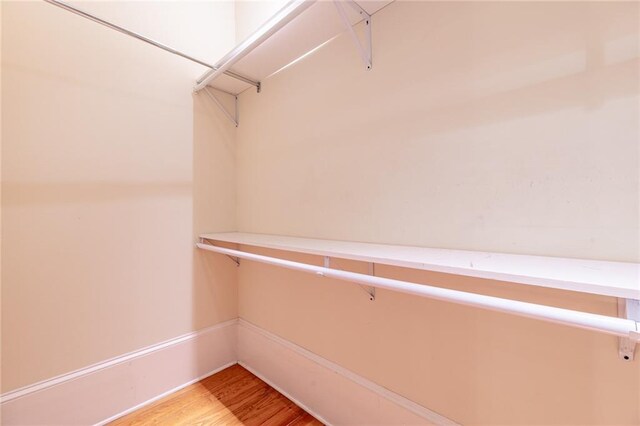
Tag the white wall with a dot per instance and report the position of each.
(110, 169)
(497, 126)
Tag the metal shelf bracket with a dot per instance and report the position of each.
(628, 309)
(232, 118)
(363, 50)
(371, 291)
(235, 260)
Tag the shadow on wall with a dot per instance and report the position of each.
(214, 287)
(34, 194)
(99, 197)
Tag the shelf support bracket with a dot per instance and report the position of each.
(628, 309)
(363, 50)
(235, 260)
(371, 291)
(226, 113)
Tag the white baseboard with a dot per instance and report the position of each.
(103, 392)
(331, 393)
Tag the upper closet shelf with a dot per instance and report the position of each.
(298, 28)
(616, 279)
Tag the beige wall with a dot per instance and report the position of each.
(509, 127)
(251, 14)
(1, 373)
(471, 365)
(498, 126)
(110, 169)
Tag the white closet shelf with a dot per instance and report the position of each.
(615, 279)
(298, 28)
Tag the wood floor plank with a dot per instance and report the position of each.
(305, 419)
(232, 397)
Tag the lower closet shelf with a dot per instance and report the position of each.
(613, 279)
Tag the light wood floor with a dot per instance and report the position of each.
(233, 396)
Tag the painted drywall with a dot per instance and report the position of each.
(470, 365)
(110, 168)
(0, 196)
(251, 14)
(508, 127)
(484, 126)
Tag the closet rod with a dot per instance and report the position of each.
(601, 323)
(133, 34)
